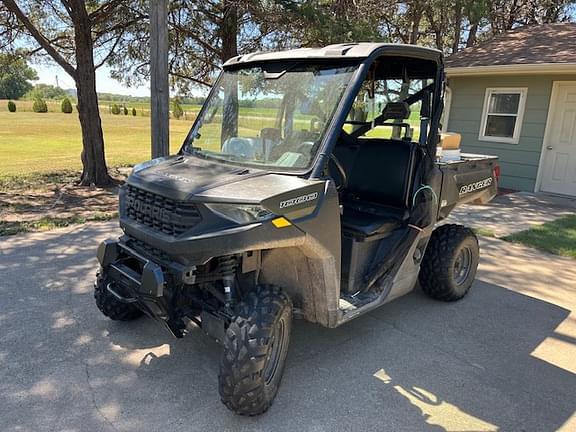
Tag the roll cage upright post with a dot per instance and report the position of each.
(335, 127)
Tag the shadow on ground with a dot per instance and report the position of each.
(414, 364)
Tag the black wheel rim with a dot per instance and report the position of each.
(275, 352)
(462, 265)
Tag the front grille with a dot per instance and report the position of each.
(162, 214)
(160, 257)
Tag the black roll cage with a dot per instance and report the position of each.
(421, 95)
(335, 128)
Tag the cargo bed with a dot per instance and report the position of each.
(472, 178)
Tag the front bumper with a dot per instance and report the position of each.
(139, 280)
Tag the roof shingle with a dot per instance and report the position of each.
(539, 44)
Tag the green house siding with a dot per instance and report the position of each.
(519, 162)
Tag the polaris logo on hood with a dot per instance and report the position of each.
(475, 186)
(298, 200)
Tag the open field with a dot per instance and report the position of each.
(49, 142)
(31, 142)
(25, 105)
(142, 108)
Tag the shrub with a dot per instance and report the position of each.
(177, 111)
(125, 110)
(39, 106)
(11, 106)
(134, 112)
(66, 106)
(115, 109)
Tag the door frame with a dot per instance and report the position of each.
(552, 108)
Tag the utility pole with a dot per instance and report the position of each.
(159, 94)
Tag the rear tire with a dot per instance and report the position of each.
(450, 262)
(109, 305)
(255, 349)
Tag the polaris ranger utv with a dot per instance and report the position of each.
(308, 187)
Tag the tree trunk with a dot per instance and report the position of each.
(471, 41)
(437, 27)
(457, 26)
(229, 30)
(439, 37)
(514, 12)
(416, 17)
(159, 86)
(95, 171)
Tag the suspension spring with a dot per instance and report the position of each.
(227, 268)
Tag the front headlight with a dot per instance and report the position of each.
(241, 214)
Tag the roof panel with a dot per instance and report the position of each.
(339, 51)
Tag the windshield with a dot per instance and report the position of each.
(271, 117)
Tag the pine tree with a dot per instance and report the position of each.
(177, 111)
(66, 106)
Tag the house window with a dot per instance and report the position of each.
(502, 114)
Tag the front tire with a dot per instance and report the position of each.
(450, 262)
(255, 349)
(109, 305)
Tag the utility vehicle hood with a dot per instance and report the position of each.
(191, 178)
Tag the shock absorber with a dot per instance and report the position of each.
(227, 268)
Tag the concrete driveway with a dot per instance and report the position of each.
(504, 358)
(514, 212)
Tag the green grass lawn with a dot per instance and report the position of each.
(36, 143)
(557, 237)
(40, 143)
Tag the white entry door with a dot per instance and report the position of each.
(559, 167)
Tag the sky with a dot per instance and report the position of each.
(47, 74)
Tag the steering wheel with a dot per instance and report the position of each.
(341, 173)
